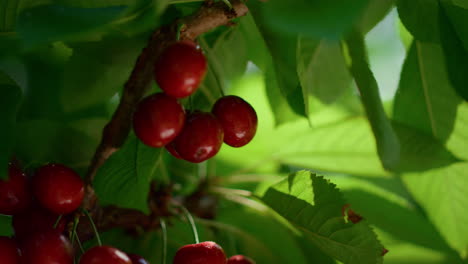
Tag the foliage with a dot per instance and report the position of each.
(311, 75)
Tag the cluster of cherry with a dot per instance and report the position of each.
(207, 252)
(160, 120)
(40, 213)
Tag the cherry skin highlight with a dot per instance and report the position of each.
(238, 118)
(47, 247)
(104, 255)
(136, 259)
(202, 253)
(180, 69)
(9, 253)
(36, 219)
(200, 139)
(158, 119)
(58, 188)
(15, 195)
(240, 259)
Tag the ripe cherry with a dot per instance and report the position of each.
(158, 119)
(36, 219)
(9, 253)
(202, 253)
(58, 188)
(46, 248)
(104, 255)
(240, 259)
(200, 139)
(15, 195)
(137, 259)
(238, 118)
(180, 69)
(170, 148)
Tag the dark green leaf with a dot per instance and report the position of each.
(456, 56)
(316, 19)
(426, 100)
(313, 205)
(9, 103)
(388, 145)
(46, 24)
(124, 180)
(6, 229)
(8, 11)
(375, 11)
(420, 17)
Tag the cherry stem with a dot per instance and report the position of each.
(75, 235)
(192, 223)
(228, 3)
(164, 240)
(57, 221)
(179, 28)
(98, 238)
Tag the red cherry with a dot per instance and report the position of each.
(200, 139)
(9, 253)
(137, 259)
(158, 119)
(202, 253)
(170, 148)
(240, 259)
(15, 195)
(238, 118)
(36, 219)
(104, 255)
(180, 69)
(46, 248)
(58, 188)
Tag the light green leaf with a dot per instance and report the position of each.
(124, 180)
(313, 205)
(426, 100)
(420, 17)
(9, 103)
(442, 194)
(388, 145)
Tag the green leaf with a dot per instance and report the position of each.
(456, 55)
(426, 100)
(315, 19)
(6, 228)
(322, 71)
(314, 205)
(442, 194)
(124, 180)
(8, 12)
(9, 103)
(388, 145)
(375, 11)
(45, 24)
(97, 71)
(420, 17)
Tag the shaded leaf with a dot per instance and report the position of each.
(313, 205)
(420, 17)
(375, 11)
(8, 12)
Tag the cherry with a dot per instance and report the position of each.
(202, 253)
(137, 259)
(200, 139)
(238, 118)
(58, 188)
(104, 255)
(15, 195)
(180, 69)
(158, 119)
(240, 259)
(46, 248)
(170, 148)
(9, 253)
(36, 219)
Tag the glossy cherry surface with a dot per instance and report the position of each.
(200, 139)
(202, 253)
(238, 118)
(158, 119)
(180, 69)
(9, 253)
(36, 219)
(240, 259)
(58, 188)
(46, 248)
(136, 259)
(104, 255)
(15, 195)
